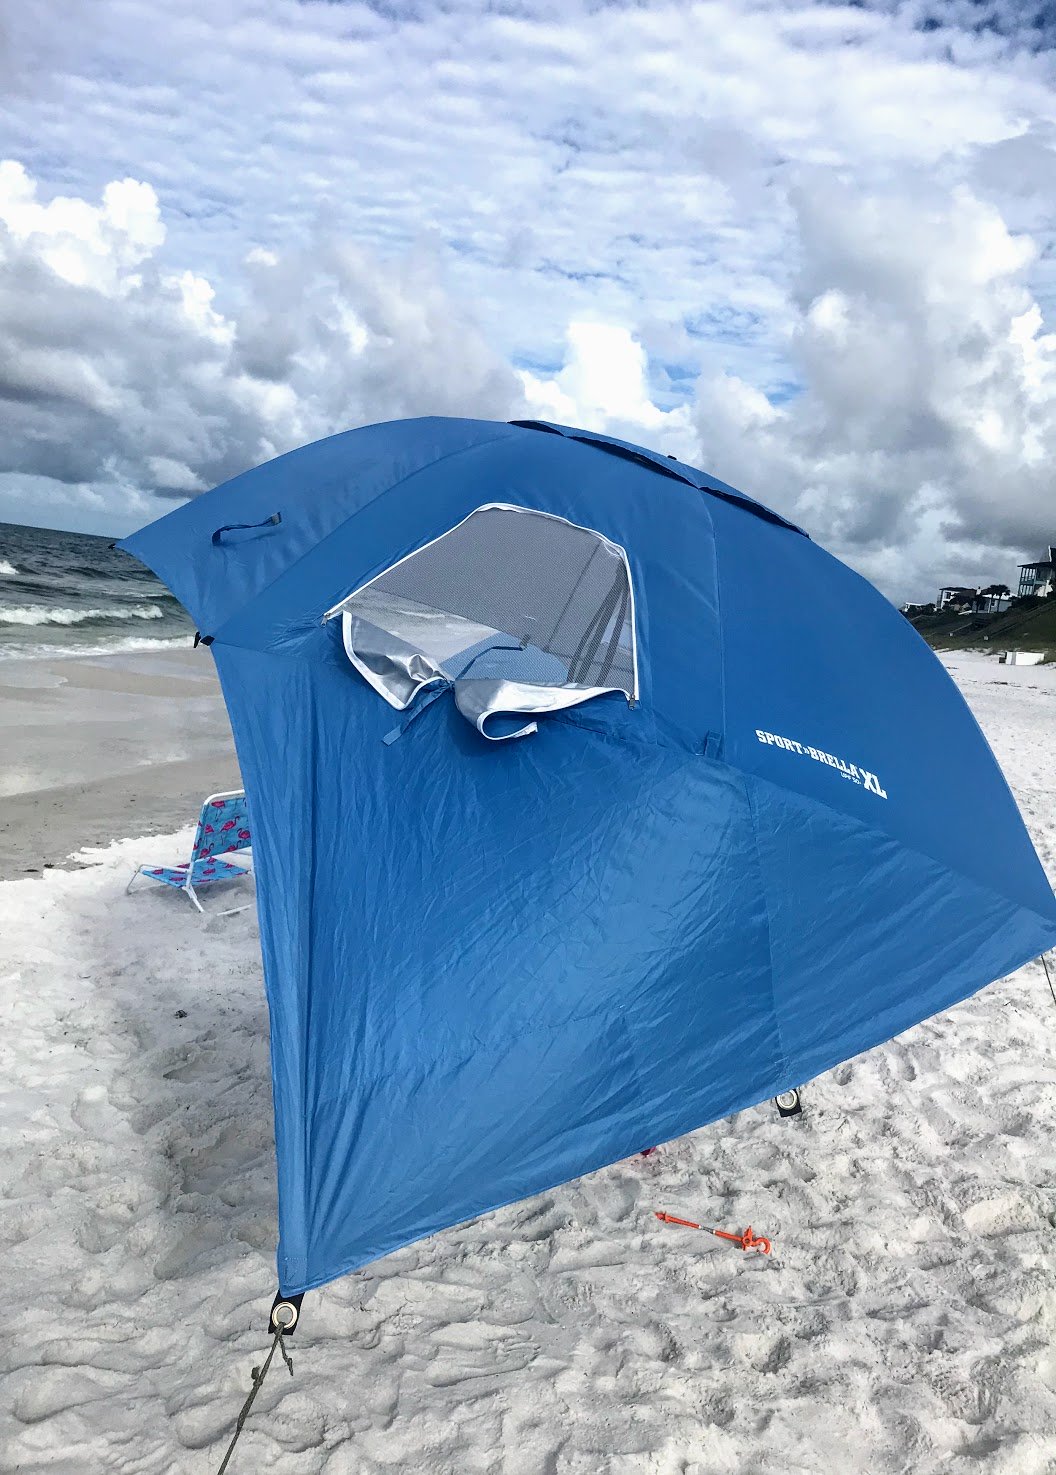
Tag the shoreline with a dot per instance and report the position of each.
(106, 748)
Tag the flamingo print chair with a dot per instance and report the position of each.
(222, 828)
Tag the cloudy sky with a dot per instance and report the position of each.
(808, 247)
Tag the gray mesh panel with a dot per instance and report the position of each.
(507, 582)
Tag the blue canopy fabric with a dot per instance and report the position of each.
(494, 966)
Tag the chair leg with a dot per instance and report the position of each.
(233, 911)
(135, 877)
(193, 896)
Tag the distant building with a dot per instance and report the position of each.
(989, 601)
(954, 594)
(1038, 578)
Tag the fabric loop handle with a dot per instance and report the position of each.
(240, 527)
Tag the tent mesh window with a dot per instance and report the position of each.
(507, 595)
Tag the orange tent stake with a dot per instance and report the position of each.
(670, 1219)
(747, 1240)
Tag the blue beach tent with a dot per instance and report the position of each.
(591, 801)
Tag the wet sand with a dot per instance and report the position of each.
(105, 748)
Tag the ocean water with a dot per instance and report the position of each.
(70, 594)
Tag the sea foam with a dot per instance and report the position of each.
(15, 614)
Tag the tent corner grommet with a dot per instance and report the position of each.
(285, 1313)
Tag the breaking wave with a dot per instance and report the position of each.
(75, 594)
(15, 614)
(120, 646)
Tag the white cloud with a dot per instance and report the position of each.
(84, 245)
(113, 370)
(927, 414)
(604, 386)
(920, 443)
(809, 245)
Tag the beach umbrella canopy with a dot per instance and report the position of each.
(591, 801)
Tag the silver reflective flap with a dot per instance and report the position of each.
(397, 671)
(479, 700)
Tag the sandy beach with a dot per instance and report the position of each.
(905, 1321)
(584, 437)
(106, 747)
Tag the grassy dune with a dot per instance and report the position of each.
(1030, 629)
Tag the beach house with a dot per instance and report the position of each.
(1039, 578)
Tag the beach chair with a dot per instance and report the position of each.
(222, 828)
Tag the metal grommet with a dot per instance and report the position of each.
(788, 1103)
(284, 1315)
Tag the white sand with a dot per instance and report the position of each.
(905, 1323)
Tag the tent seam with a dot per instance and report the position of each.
(769, 924)
(655, 462)
(719, 625)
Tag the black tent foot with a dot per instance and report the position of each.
(789, 1103)
(285, 1312)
